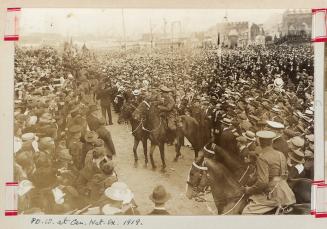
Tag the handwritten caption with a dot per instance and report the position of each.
(87, 222)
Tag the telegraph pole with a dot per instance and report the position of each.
(124, 29)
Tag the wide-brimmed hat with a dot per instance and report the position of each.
(297, 155)
(226, 121)
(107, 209)
(93, 108)
(275, 125)
(99, 142)
(91, 136)
(75, 128)
(159, 195)
(46, 142)
(136, 92)
(108, 167)
(297, 141)
(310, 137)
(164, 88)
(24, 187)
(249, 135)
(28, 137)
(266, 134)
(119, 191)
(46, 117)
(308, 154)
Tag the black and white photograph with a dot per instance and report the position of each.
(182, 112)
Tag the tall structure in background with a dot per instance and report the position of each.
(297, 22)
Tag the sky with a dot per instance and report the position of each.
(73, 22)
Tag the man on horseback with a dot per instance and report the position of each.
(167, 107)
(271, 189)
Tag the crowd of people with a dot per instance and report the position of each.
(64, 151)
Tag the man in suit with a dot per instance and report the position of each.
(104, 95)
(159, 197)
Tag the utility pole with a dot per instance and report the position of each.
(124, 29)
(151, 34)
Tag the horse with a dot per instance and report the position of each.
(197, 132)
(203, 173)
(156, 126)
(137, 130)
(188, 127)
(226, 190)
(243, 172)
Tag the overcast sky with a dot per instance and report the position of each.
(71, 22)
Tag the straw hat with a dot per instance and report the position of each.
(266, 134)
(24, 187)
(119, 191)
(297, 155)
(249, 135)
(275, 125)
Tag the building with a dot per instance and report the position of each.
(297, 22)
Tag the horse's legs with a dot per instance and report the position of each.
(153, 146)
(136, 143)
(196, 153)
(178, 147)
(145, 150)
(162, 155)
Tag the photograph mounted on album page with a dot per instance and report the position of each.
(164, 111)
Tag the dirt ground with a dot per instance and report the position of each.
(142, 180)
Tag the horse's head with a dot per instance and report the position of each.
(197, 180)
(141, 111)
(125, 113)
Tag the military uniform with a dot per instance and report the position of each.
(168, 106)
(75, 149)
(271, 189)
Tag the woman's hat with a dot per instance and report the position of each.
(119, 191)
(159, 195)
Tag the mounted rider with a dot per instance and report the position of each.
(271, 189)
(167, 107)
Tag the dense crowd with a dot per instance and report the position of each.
(64, 151)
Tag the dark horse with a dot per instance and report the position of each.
(225, 189)
(137, 130)
(216, 168)
(243, 172)
(197, 132)
(156, 126)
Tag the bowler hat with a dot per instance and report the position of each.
(159, 195)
